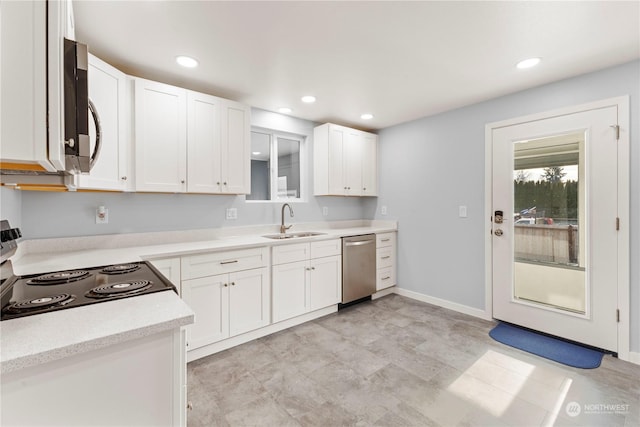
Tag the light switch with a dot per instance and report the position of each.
(383, 210)
(325, 211)
(232, 213)
(462, 211)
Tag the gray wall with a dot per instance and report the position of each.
(42, 214)
(432, 165)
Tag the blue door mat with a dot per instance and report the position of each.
(546, 346)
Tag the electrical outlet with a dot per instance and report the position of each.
(102, 215)
(383, 210)
(232, 213)
(325, 211)
(462, 211)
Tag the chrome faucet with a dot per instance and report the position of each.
(284, 229)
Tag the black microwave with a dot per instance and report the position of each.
(78, 158)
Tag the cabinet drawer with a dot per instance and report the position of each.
(291, 253)
(326, 248)
(385, 278)
(210, 264)
(386, 257)
(385, 239)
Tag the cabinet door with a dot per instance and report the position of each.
(208, 298)
(249, 300)
(108, 92)
(236, 143)
(369, 165)
(337, 182)
(203, 143)
(23, 83)
(352, 163)
(160, 137)
(326, 282)
(290, 293)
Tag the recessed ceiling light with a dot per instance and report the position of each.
(186, 61)
(284, 110)
(255, 153)
(366, 116)
(308, 99)
(528, 63)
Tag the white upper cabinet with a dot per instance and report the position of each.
(218, 145)
(369, 164)
(110, 93)
(236, 144)
(187, 141)
(345, 161)
(160, 137)
(31, 82)
(203, 151)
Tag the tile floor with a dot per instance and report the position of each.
(400, 362)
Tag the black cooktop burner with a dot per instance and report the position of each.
(120, 269)
(59, 278)
(70, 289)
(39, 304)
(119, 289)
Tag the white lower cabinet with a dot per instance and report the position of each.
(290, 294)
(143, 378)
(227, 304)
(385, 260)
(325, 284)
(306, 284)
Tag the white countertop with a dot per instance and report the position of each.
(33, 340)
(37, 339)
(49, 255)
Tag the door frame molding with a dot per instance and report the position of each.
(623, 283)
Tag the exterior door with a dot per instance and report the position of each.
(555, 240)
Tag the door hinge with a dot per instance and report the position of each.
(617, 128)
(618, 315)
(617, 224)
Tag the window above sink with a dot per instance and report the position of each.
(278, 161)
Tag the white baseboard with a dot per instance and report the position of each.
(198, 353)
(634, 357)
(443, 303)
(384, 292)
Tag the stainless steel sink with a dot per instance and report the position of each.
(293, 235)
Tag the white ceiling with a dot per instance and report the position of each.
(397, 60)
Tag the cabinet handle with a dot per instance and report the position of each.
(386, 257)
(225, 285)
(364, 188)
(218, 183)
(225, 183)
(233, 283)
(386, 278)
(228, 262)
(182, 182)
(190, 406)
(384, 240)
(124, 178)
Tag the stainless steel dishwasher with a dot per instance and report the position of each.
(358, 267)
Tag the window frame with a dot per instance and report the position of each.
(274, 134)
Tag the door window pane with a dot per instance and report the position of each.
(548, 218)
